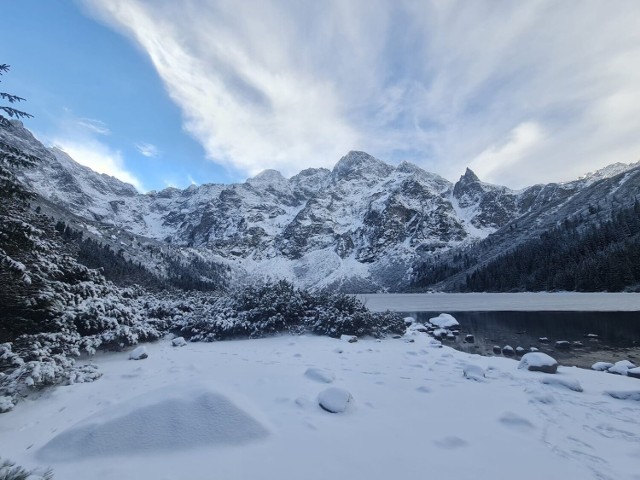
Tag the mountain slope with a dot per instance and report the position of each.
(363, 226)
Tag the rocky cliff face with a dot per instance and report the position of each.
(360, 226)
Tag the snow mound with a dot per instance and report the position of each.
(444, 320)
(626, 395)
(320, 375)
(634, 372)
(139, 353)
(568, 383)
(164, 420)
(334, 400)
(179, 342)
(538, 362)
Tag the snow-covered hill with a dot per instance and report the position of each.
(361, 226)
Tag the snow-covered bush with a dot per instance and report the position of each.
(10, 471)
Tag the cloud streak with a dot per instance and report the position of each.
(147, 149)
(524, 91)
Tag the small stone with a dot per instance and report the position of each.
(140, 353)
(508, 351)
(563, 345)
(349, 338)
(543, 340)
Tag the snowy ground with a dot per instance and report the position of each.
(506, 302)
(247, 410)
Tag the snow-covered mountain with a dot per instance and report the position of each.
(361, 226)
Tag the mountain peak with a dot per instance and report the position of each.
(267, 177)
(469, 176)
(360, 164)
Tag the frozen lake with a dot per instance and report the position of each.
(503, 302)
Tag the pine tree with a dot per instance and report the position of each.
(12, 158)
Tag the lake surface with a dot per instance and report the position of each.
(602, 336)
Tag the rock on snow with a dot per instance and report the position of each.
(444, 320)
(538, 362)
(334, 400)
(140, 353)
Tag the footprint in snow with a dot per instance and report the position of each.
(423, 389)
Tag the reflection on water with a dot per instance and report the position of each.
(602, 336)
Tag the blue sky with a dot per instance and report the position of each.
(158, 92)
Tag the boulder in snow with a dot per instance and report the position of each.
(334, 400)
(474, 372)
(444, 320)
(470, 338)
(139, 353)
(538, 362)
(563, 345)
(621, 368)
(508, 351)
(178, 342)
(349, 338)
(520, 351)
(320, 375)
(601, 366)
(497, 349)
(543, 340)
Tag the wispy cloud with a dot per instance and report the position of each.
(538, 91)
(147, 149)
(98, 157)
(93, 125)
(83, 139)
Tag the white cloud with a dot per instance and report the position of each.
(147, 149)
(191, 180)
(286, 85)
(98, 157)
(93, 125)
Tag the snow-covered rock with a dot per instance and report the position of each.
(621, 368)
(139, 353)
(520, 351)
(508, 351)
(334, 400)
(349, 338)
(634, 372)
(444, 320)
(474, 372)
(538, 362)
(179, 342)
(469, 338)
(601, 366)
(6, 404)
(563, 345)
(320, 375)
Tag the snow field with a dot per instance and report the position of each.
(412, 413)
